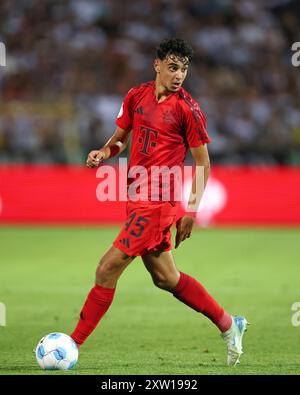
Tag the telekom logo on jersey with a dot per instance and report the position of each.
(165, 183)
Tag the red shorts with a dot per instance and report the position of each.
(147, 228)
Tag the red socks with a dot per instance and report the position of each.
(97, 303)
(194, 295)
(188, 291)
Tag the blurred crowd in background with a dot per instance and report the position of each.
(70, 63)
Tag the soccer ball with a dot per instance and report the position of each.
(56, 351)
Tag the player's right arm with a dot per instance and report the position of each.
(118, 142)
(115, 145)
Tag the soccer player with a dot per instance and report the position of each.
(164, 121)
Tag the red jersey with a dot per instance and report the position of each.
(161, 132)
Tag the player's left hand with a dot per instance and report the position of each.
(184, 229)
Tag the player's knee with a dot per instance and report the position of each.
(163, 283)
(105, 270)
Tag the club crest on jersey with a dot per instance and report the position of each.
(169, 117)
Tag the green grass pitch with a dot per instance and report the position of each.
(46, 273)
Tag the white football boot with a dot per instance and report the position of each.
(233, 339)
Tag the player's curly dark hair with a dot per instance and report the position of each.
(174, 46)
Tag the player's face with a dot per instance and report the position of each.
(172, 72)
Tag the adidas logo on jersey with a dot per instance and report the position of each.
(139, 110)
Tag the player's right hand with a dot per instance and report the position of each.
(95, 158)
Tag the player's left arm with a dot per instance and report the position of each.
(202, 170)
